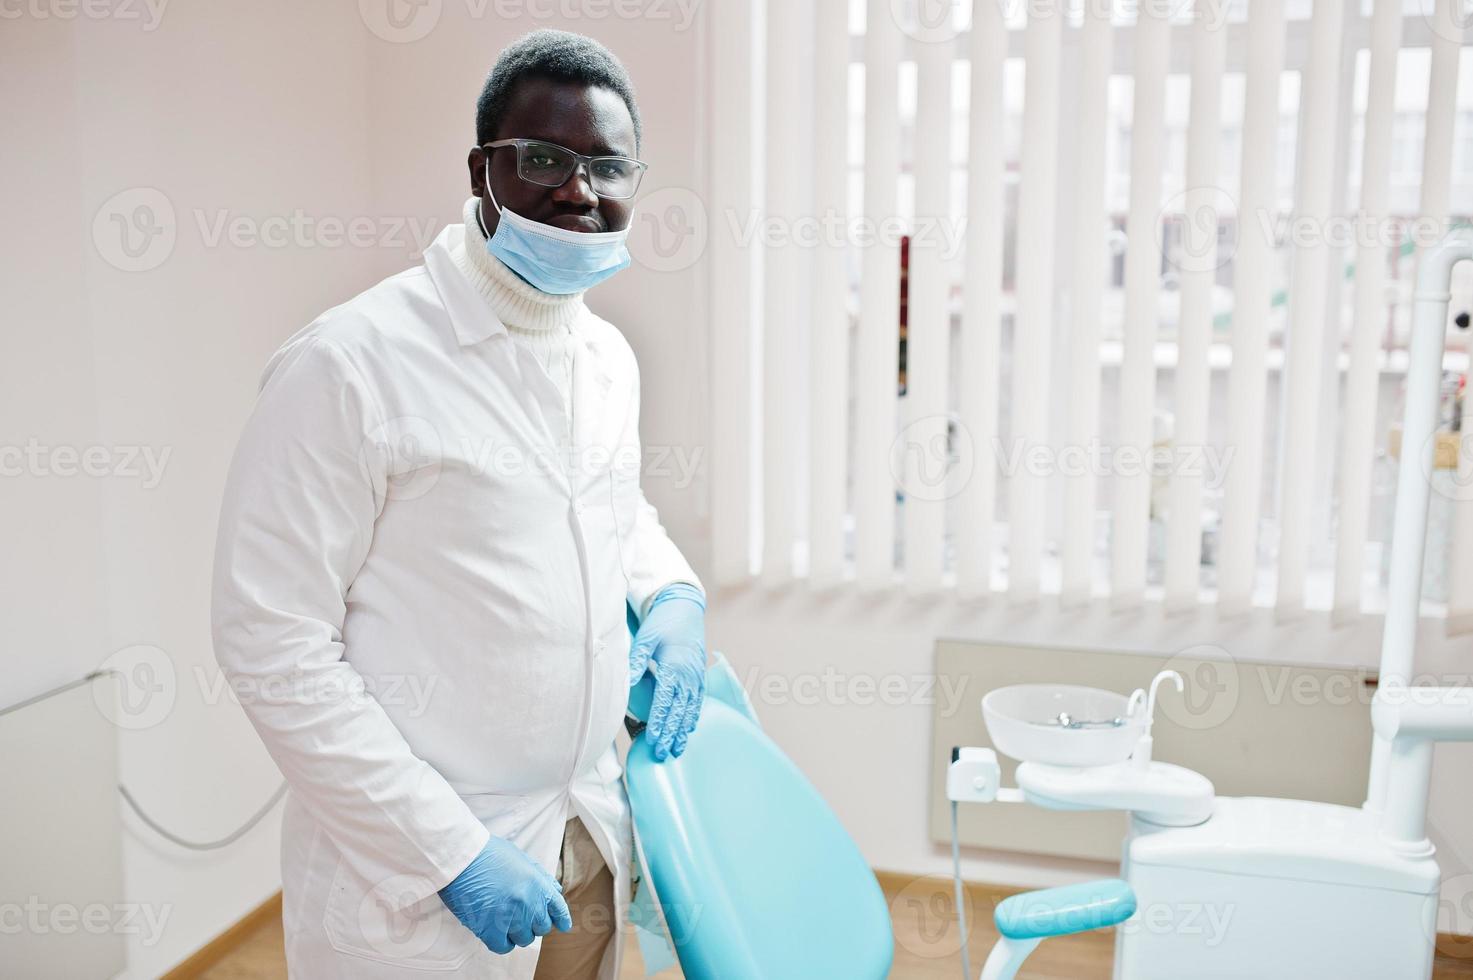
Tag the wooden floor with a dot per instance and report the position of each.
(926, 943)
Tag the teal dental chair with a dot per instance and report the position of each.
(756, 879)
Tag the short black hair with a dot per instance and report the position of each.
(560, 56)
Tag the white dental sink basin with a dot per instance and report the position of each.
(1024, 722)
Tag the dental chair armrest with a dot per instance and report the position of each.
(1061, 911)
(1026, 920)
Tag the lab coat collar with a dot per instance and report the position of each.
(469, 313)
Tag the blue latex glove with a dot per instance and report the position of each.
(506, 898)
(672, 642)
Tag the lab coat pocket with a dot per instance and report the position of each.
(366, 919)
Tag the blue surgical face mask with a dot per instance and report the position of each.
(555, 260)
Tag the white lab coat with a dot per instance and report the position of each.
(420, 604)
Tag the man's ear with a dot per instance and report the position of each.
(475, 164)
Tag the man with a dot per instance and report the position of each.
(431, 532)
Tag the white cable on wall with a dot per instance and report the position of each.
(211, 845)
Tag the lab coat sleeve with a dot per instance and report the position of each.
(658, 562)
(303, 492)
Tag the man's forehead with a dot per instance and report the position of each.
(591, 119)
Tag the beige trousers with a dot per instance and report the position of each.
(588, 888)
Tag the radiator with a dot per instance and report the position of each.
(1271, 730)
(62, 913)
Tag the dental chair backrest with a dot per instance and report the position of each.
(755, 876)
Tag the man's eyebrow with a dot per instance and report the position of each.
(600, 148)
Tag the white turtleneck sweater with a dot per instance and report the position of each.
(542, 323)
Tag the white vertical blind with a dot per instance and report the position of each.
(1252, 293)
(928, 324)
(786, 386)
(829, 347)
(879, 316)
(734, 279)
(783, 310)
(1202, 207)
(1081, 427)
(978, 341)
(1318, 110)
(1142, 301)
(1358, 419)
(1034, 322)
(1437, 162)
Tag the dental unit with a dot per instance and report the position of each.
(1297, 888)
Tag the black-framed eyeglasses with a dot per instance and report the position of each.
(550, 165)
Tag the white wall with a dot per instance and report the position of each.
(269, 111)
